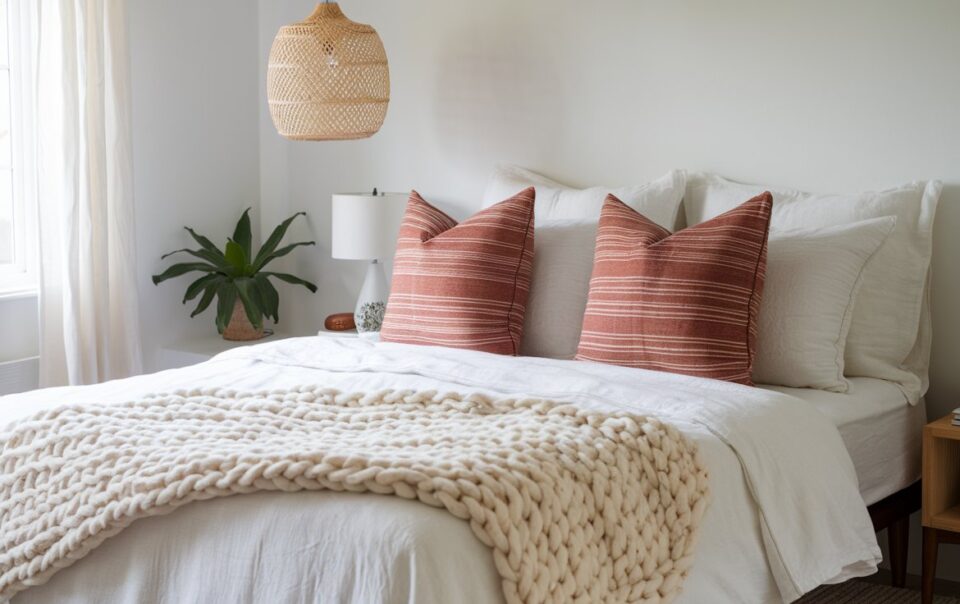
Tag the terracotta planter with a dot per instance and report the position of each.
(239, 328)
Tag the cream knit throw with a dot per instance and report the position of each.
(575, 504)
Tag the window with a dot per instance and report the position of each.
(16, 225)
(8, 239)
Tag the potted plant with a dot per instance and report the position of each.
(235, 277)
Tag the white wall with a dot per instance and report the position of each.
(195, 141)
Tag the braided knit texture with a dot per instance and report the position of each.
(575, 504)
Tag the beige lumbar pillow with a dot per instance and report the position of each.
(813, 277)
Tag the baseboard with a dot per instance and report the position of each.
(941, 587)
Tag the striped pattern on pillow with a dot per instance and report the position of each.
(684, 303)
(462, 285)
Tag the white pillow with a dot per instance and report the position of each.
(658, 200)
(889, 335)
(812, 280)
(562, 265)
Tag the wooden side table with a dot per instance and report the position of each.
(941, 495)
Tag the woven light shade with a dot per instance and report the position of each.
(328, 78)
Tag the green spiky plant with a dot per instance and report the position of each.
(236, 273)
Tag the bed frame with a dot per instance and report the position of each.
(893, 514)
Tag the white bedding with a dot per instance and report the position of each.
(881, 431)
(786, 514)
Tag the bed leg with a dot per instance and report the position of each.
(930, 544)
(898, 542)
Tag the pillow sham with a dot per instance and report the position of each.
(684, 303)
(812, 280)
(658, 200)
(890, 330)
(462, 285)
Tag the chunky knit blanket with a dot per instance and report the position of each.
(575, 504)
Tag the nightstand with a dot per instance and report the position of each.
(203, 348)
(941, 494)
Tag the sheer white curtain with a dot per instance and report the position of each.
(78, 110)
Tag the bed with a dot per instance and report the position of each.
(765, 537)
(799, 480)
(879, 429)
(882, 434)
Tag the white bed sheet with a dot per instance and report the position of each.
(881, 431)
(784, 517)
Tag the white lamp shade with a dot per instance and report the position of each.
(365, 226)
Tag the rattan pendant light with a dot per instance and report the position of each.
(327, 78)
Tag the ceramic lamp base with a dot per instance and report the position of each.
(372, 302)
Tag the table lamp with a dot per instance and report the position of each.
(365, 227)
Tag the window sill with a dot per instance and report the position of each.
(17, 293)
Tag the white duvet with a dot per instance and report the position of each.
(786, 514)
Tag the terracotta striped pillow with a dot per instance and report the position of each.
(684, 303)
(462, 285)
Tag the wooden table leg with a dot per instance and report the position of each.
(930, 546)
(898, 539)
